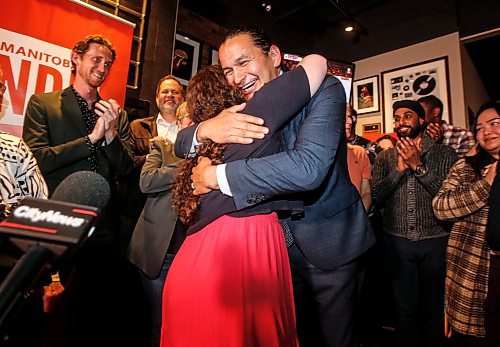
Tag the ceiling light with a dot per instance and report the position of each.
(349, 27)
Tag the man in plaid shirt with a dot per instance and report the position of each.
(461, 140)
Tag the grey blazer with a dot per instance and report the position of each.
(154, 229)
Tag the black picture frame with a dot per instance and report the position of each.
(186, 58)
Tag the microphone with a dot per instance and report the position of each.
(85, 188)
(65, 220)
(50, 230)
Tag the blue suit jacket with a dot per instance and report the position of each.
(335, 229)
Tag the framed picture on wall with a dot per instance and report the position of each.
(372, 128)
(365, 98)
(413, 82)
(186, 58)
(214, 57)
(344, 71)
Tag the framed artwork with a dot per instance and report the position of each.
(413, 82)
(342, 70)
(365, 98)
(372, 128)
(185, 59)
(214, 57)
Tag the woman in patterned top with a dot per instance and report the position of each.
(19, 173)
(463, 199)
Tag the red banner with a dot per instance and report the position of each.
(36, 38)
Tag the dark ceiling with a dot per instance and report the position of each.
(301, 26)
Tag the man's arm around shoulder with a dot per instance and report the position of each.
(302, 167)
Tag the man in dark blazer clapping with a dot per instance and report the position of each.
(74, 130)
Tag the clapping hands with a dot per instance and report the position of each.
(408, 154)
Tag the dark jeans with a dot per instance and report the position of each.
(417, 271)
(325, 302)
(153, 289)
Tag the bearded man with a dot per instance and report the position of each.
(73, 130)
(406, 179)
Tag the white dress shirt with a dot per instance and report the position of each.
(165, 129)
(220, 170)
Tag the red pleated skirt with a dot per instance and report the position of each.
(230, 285)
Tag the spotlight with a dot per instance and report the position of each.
(349, 27)
(267, 6)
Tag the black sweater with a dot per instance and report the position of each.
(493, 227)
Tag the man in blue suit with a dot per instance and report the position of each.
(334, 231)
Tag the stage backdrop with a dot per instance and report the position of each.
(36, 38)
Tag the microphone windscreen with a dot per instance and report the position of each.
(85, 188)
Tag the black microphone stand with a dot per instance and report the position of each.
(20, 280)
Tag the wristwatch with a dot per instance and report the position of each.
(420, 170)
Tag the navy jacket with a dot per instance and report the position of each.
(335, 228)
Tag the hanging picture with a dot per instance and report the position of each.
(214, 57)
(342, 70)
(413, 82)
(185, 59)
(365, 97)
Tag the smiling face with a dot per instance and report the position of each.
(407, 123)
(169, 97)
(93, 66)
(488, 131)
(246, 65)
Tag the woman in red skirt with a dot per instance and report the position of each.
(230, 283)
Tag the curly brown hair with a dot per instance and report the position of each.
(208, 94)
(82, 46)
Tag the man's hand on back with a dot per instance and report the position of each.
(229, 126)
(204, 177)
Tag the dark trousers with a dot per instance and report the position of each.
(153, 290)
(459, 340)
(325, 302)
(417, 271)
(492, 304)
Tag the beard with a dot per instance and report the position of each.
(92, 81)
(168, 108)
(412, 133)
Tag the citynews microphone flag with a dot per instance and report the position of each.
(51, 221)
